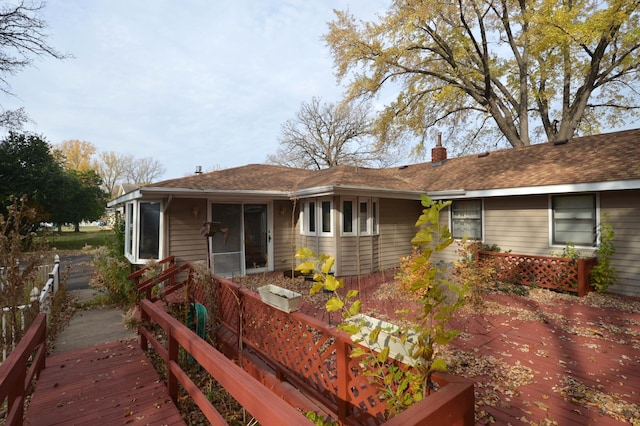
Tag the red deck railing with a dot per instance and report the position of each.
(265, 406)
(314, 357)
(21, 367)
(554, 273)
(296, 358)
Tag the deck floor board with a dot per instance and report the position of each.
(110, 384)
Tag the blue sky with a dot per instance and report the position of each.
(189, 83)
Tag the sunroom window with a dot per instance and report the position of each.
(359, 217)
(574, 219)
(348, 217)
(142, 231)
(317, 217)
(466, 219)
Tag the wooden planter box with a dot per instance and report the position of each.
(280, 298)
(387, 337)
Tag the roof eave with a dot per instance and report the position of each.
(155, 192)
(617, 185)
(346, 190)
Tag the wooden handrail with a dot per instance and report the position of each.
(15, 378)
(265, 406)
(166, 275)
(137, 274)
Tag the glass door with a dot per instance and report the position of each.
(226, 245)
(241, 243)
(256, 238)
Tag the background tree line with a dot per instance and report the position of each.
(69, 182)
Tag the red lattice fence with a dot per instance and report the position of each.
(554, 273)
(314, 357)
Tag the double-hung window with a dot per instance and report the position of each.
(574, 219)
(317, 217)
(466, 219)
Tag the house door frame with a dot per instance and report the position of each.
(246, 245)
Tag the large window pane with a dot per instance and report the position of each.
(466, 219)
(364, 215)
(326, 216)
(311, 215)
(574, 219)
(347, 216)
(149, 242)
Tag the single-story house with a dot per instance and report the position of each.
(531, 200)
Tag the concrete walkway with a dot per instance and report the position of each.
(92, 327)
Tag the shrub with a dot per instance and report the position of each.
(111, 275)
(603, 273)
(18, 269)
(478, 275)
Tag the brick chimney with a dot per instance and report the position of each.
(439, 153)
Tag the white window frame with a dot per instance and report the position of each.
(371, 222)
(354, 217)
(452, 220)
(552, 220)
(375, 216)
(364, 228)
(133, 231)
(316, 205)
(321, 219)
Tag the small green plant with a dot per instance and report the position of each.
(569, 251)
(319, 419)
(401, 385)
(603, 273)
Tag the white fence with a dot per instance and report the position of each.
(50, 276)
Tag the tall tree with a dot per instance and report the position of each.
(22, 38)
(112, 167)
(143, 171)
(76, 154)
(28, 168)
(81, 198)
(325, 135)
(490, 70)
(115, 169)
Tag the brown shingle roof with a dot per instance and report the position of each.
(252, 177)
(588, 159)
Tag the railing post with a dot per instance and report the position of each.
(584, 270)
(56, 275)
(172, 380)
(144, 319)
(342, 384)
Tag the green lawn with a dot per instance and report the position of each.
(93, 236)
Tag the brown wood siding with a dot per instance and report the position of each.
(359, 255)
(623, 208)
(284, 235)
(185, 241)
(397, 228)
(518, 224)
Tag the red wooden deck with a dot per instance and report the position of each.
(547, 358)
(110, 384)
